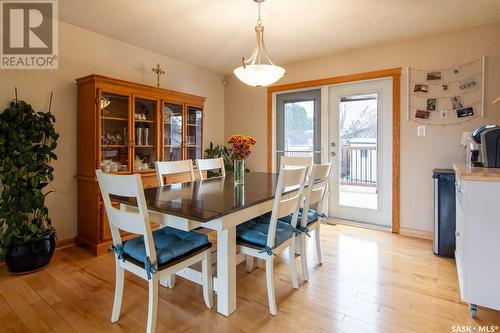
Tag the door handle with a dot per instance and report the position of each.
(332, 154)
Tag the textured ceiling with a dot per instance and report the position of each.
(215, 34)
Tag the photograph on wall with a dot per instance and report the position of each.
(444, 114)
(467, 84)
(431, 104)
(421, 88)
(465, 112)
(433, 76)
(455, 70)
(422, 114)
(456, 102)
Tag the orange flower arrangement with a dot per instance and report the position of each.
(241, 146)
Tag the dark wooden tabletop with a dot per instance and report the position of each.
(206, 200)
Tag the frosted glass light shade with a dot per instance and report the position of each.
(259, 75)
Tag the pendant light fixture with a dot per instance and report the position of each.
(259, 71)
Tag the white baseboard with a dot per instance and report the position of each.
(332, 220)
(402, 231)
(416, 233)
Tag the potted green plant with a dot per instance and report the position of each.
(216, 152)
(27, 143)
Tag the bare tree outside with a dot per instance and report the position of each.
(358, 120)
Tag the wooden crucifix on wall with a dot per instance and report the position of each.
(157, 69)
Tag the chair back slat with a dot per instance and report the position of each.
(302, 161)
(321, 171)
(210, 164)
(316, 193)
(129, 186)
(172, 167)
(293, 176)
(316, 188)
(286, 204)
(127, 221)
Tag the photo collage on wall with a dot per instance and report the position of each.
(446, 96)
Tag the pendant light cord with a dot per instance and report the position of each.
(259, 20)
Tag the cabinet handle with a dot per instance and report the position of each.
(457, 234)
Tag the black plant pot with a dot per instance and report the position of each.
(28, 256)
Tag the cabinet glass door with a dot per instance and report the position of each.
(172, 132)
(193, 132)
(114, 132)
(144, 134)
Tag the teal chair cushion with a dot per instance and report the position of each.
(312, 216)
(169, 243)
(256, 230)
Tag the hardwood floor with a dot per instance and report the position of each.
(370, 281)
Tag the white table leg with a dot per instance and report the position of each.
(226, 271)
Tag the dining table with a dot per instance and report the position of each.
(217, 204)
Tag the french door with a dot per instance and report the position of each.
(361, 150)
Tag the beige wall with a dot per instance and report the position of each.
(245, 107)
(81, 53)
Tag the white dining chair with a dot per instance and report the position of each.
(266, 237)
(165, 168)
(210, 164)
(152, 256)
(303, 161)
(174, 167)
(314, 194)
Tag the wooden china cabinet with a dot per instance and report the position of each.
(124, 127)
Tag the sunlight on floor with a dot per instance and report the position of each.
(358, 196)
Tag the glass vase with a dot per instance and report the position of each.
(239, 196)
(239, 172)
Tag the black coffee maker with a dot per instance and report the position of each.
(487, 152)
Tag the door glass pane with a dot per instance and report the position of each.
(114, 132)
(299, 128)
(358, 151)
(172, 132)
(145, 137)
(193, 132)
(298, 125)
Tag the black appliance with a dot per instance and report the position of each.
(444, 212)
(487, 151)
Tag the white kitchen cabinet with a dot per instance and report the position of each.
(477, 234)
